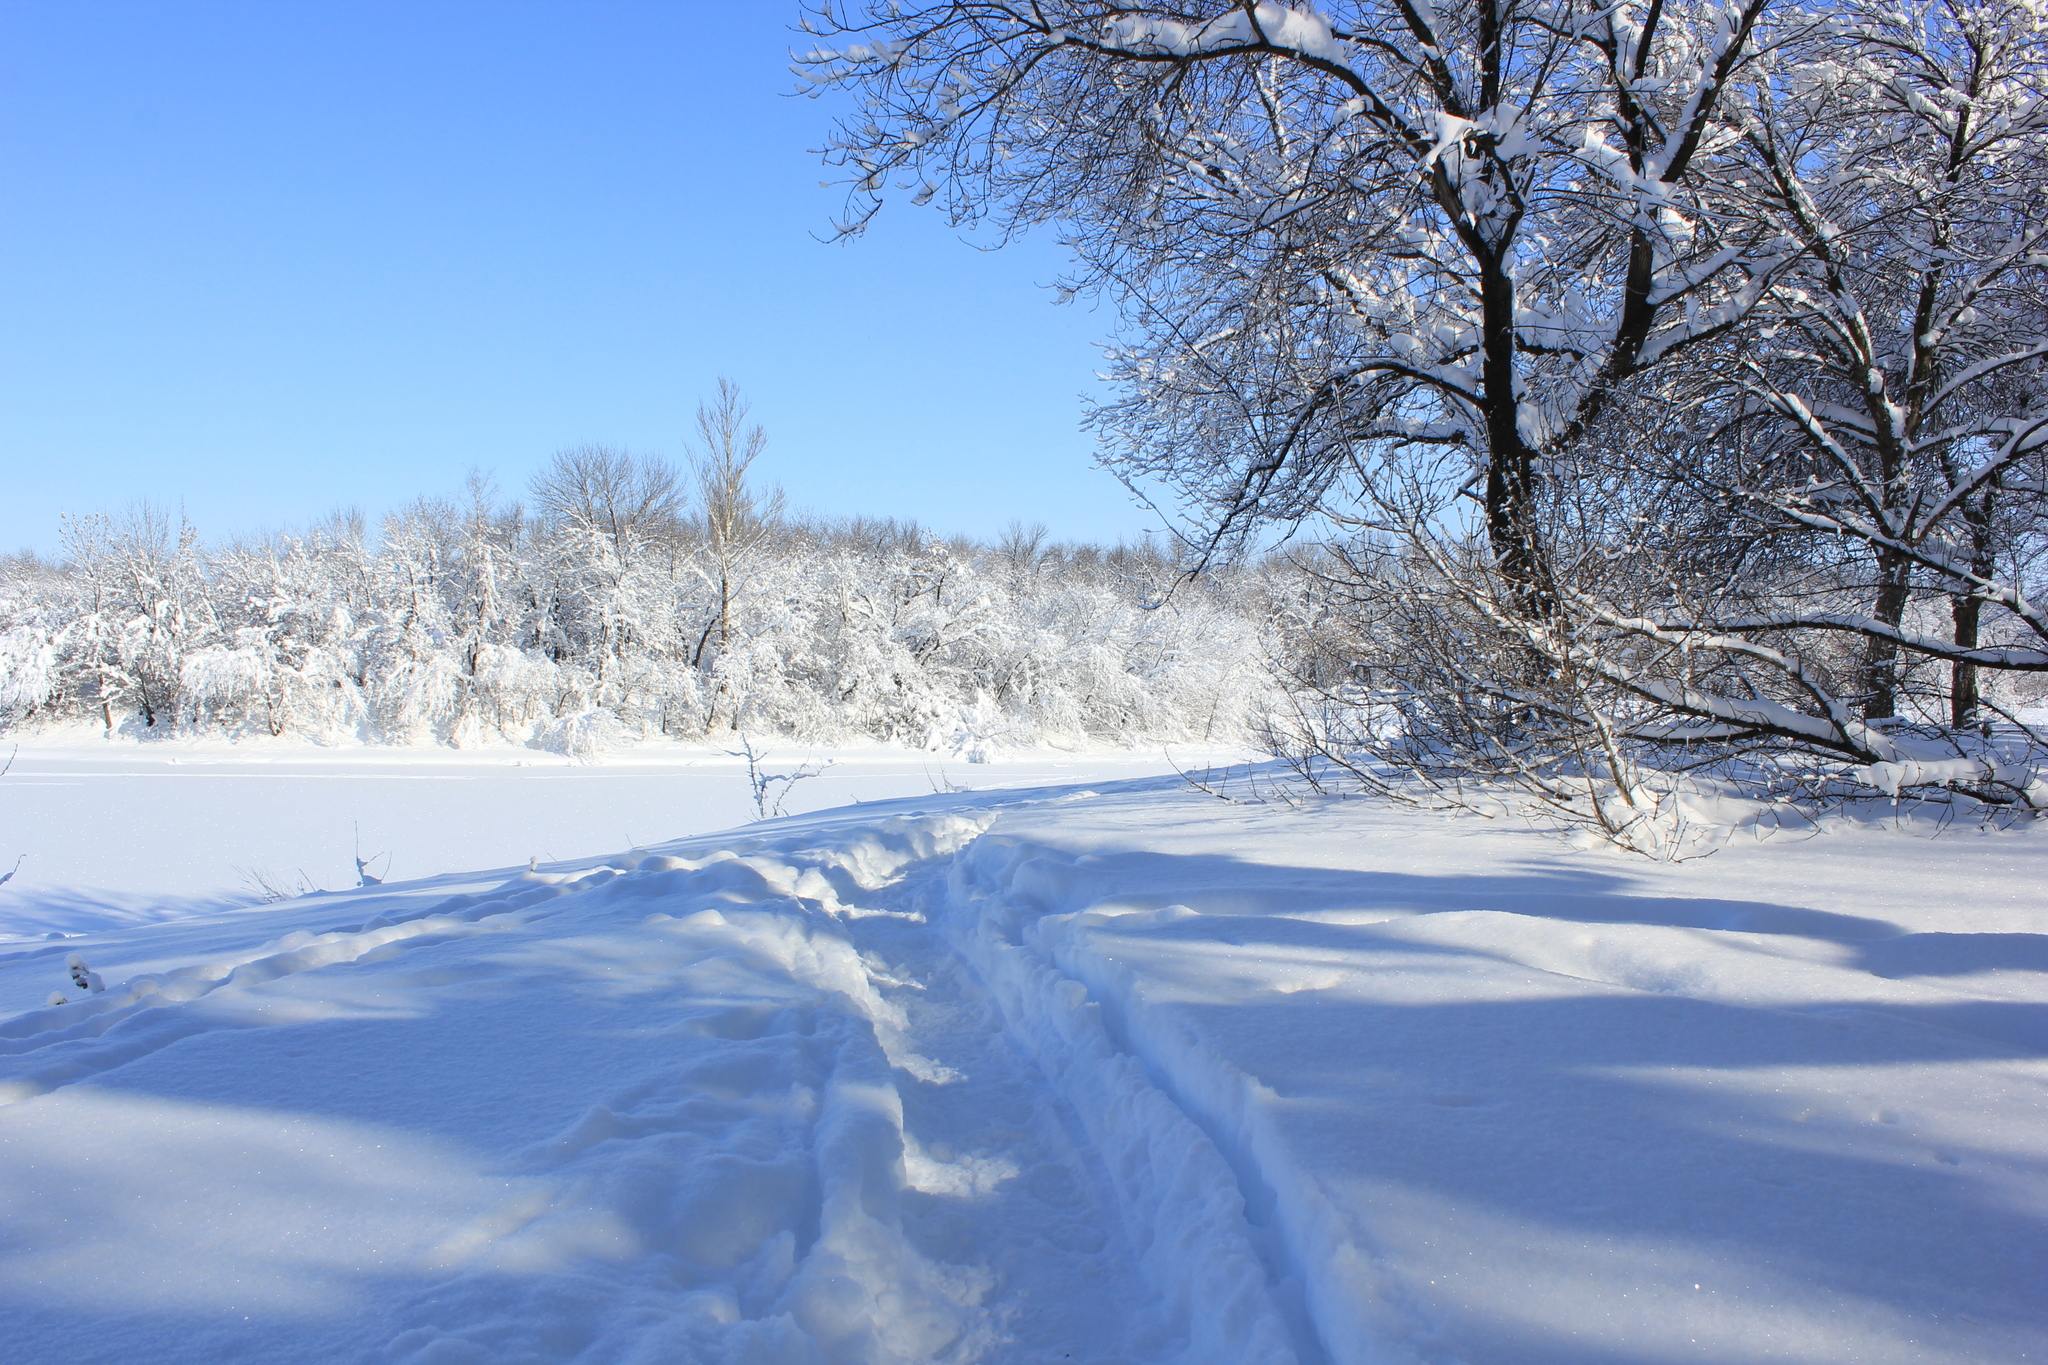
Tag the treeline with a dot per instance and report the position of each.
(626, 601)
(468, 624)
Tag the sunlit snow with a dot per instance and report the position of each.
(1045, 1071)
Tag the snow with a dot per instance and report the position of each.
(123, 831)
(1109, 1071)
(1286, 29)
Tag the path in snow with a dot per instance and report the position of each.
(736, 1102)
(1126, 1077)
(996, 1176)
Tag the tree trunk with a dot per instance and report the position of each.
(1965, 690)
(1963, 693)
(1881, 660)
(1511, 533)
(1511, 530)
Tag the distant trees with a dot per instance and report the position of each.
(1666, 364)
(622, 599)
(141, 608)
(607, 516)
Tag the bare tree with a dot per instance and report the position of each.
(627, 499)
(739, 519)
(1024, 549)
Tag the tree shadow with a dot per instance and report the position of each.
(1488, 1119)
(62, 911)
(1944, 954)
(1220, 884)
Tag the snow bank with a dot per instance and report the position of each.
(751, 1169)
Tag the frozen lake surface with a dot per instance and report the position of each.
(119, 832)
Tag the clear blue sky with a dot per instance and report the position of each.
(268, 258)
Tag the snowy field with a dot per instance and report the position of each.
(1094, 1068)
(121, 832)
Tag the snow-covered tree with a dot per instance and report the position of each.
(738, 521)
(469, 623)
(143, 606)
(1905, 383)
(1341, 235)
(1644, 357)
(1867, 456)
(609, 515)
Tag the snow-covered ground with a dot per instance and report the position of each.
(122, 832)
(1110, 1072)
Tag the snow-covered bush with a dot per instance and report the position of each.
(585, 630)
(586, 735)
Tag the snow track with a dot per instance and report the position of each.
(1119, 1078)
(1184, 1188)
(791, 1124)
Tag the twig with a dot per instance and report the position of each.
(363, 877)
(765, 783)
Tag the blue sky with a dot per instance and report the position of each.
(266, 259)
